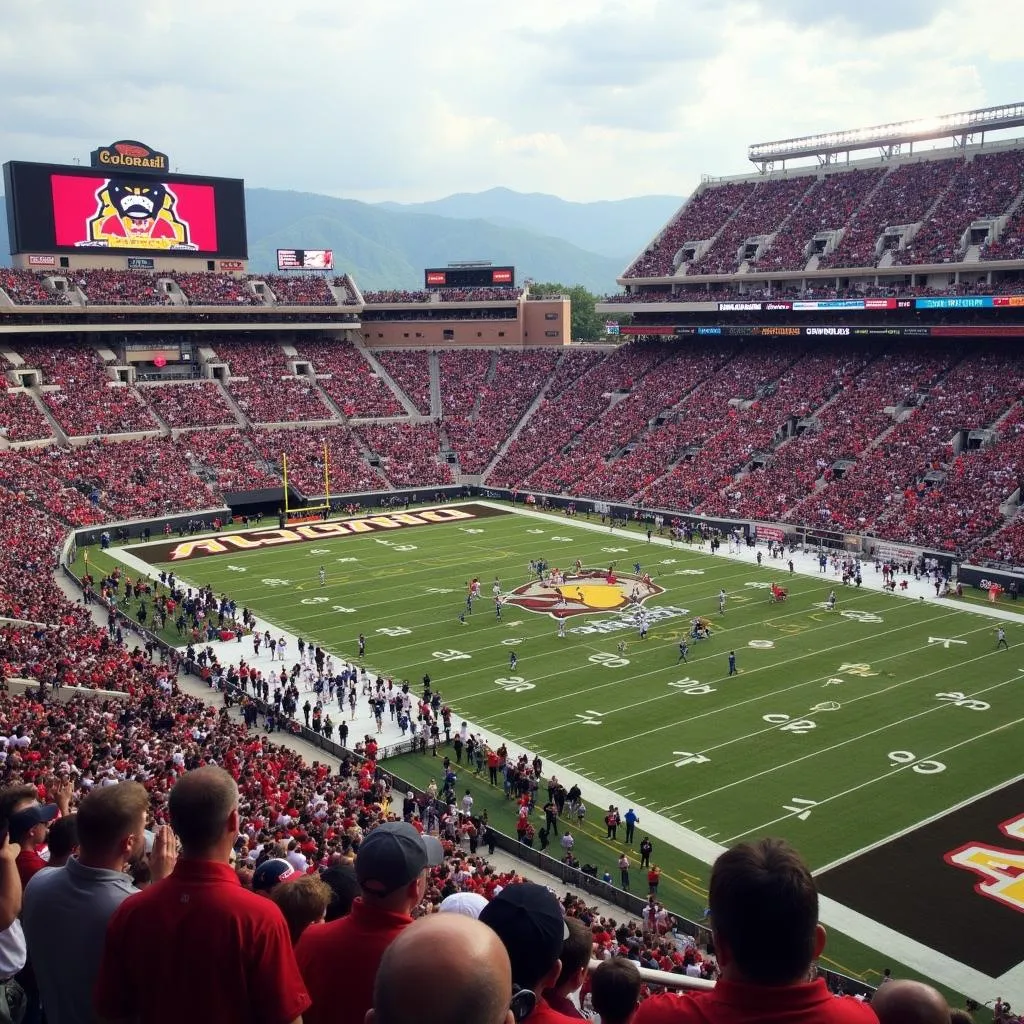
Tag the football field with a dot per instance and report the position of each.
(841, 729)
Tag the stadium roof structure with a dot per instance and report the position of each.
(888, 138)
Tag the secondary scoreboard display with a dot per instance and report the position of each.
(128, 203)
(305, 259)
(469, 277)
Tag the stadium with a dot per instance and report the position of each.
(771, 521)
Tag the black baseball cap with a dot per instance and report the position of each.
(528, 920)
(37, 814)
(392, 855)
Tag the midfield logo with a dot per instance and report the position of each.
(591, 590)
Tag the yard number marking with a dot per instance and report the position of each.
(514, 684)
(692, 687)
(801, 807)
(687, 758)
(797, 725)
(608, 660)
(450, 655)
(961, 700)
(904, 758)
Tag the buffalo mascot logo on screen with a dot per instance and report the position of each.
(138, 214)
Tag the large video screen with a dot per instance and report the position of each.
(81, 210)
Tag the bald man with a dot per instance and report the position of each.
(198, 938)
(909, 1002)
(469, 956)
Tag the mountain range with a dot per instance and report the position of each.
(388, 245)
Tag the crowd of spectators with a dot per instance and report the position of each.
(228, 461)
(741, 411)
(215, 289)
(651, 449)
(818, 289)
(189, 404)
(463, 376)
(120, 288)
(519, 377)
(300, 289)
(348, 287)
(349, 470)
(409, 453)
(1011, 243)
(269, 392)
(142, 477)
(88, 400)
(965, 507)
(903, 197)
(827, 207)
(34, 486)
(1004, 547)
(26, 288)
(499, 294)
(699, 220)
(982, 189)
(353, 386)
(590, 463)
(971, 396)
(20, 420)
(558, 421)
(764, 210)
(842, 429)
(388, 295)
(411, 372)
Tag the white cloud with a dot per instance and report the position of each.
(395, 99)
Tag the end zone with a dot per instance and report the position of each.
(955, 883)
(184, 550)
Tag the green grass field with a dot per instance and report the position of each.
(839, 729)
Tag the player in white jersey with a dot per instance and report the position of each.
(561, 628)
(323, 576)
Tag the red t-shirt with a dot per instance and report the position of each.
(198, 939)
(339, 962)
(28, 863)
(544, 1014)
(730, 1002)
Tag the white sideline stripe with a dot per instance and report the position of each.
(918, 824)
(879, 778)
(950, 972)
(835, 746)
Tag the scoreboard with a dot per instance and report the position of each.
(305, 259)
(469, 277)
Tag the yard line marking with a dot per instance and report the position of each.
(662, 669)
(720, 679)
(880, 778)
(853, 700)
(919, 824)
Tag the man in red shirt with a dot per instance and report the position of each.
(764, 917)
(339, 960)
(198, 939)
(528, 920)
(29, 822)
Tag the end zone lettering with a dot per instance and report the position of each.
(312, 531)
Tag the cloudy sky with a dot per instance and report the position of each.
(415, 99)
